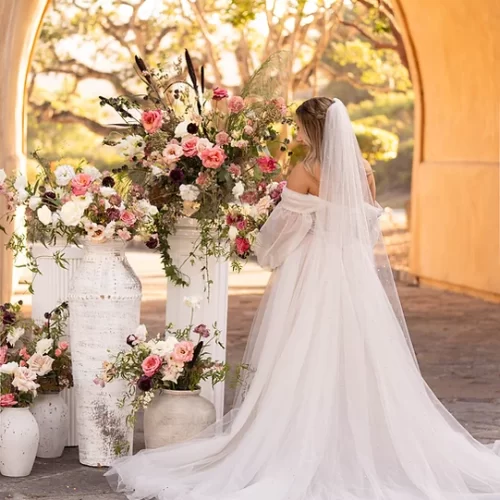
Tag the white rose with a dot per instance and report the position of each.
(3, 176)
(64, 174)
(238, 189)
(203, 144)
(41, 365)
(193, 302)
(43, 346)
(14, 335)
(107, 191)
(141, 333)
(92, 171)
(83, 201)
(71, 213)
(161, 347)
(44, 215)
(22, 195)
(146, 208)
(20, 183)
(9, 368)
(24, 380)
(232, 233)
(34, 202)
(188, 192)
(132, 145)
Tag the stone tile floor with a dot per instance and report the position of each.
(456, 339)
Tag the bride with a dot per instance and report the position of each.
(334, 406)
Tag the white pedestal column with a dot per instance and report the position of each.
(213, 307)
(50, 289)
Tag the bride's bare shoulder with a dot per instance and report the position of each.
(299, 179)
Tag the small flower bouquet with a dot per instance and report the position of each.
(73, 203)
(33, 358)
(197, 150)
(169, 361)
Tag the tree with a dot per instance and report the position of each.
(86, 40)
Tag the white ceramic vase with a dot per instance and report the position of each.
(213, 308)
(104, 306)
(51, 413)
(175, 416)
(19, 437)
(50, 288)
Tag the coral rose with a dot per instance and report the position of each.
(7, 400)
(220, 94)
(80, 184)
(267, 164)
(183, 352)
(235, 104)
(152, 121)
(151, 365)
(63, 345)
(188, 144)
(213, 157)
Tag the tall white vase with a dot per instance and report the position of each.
(51, 413)
(18, 442)
(50, 289)
(104, 305)
(214, 305)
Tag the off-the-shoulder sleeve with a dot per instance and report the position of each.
(285, 229)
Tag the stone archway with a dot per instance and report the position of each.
(454, 52)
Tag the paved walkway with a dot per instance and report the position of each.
(456, 339)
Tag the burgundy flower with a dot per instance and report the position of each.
(131, 340)
(192, 128)
(145, 383)
(152, 242)
(177, 175)
(113, 214)
(8, 318)
(48, 199)
(115, 200)
(108, 182)
(202, 330)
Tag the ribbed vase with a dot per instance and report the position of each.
(104, 305)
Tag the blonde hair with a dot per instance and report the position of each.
(311, 115)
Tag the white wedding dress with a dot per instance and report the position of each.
(334, 406)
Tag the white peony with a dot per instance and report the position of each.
(3, 176)
(194, 302)
(9, 368)
(14, 335)
(130, 146)
(24, 380)
(64, 174)
(181, 130)
(41, 365)
(170, 374)
(232, 233)
(20, 183)
(34, 202)
(162, 347)
(44, 215)
(146, 208)
(141, 333)
(189, 192)
(92, 171)
(22, 195)
(72, 213)
(43, 346)
(107, 191)
(156, 171)
(83, 201)
(238, 189)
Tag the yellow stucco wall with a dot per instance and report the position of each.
(454, 49)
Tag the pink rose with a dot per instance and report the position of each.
(58, 353)
(80, 184)
(172, 153)
(242, 245)
(203, 179)
(22, 362)
(220, 94)
(267, 164)
(3, 354)
(279, 102)
(234, 169)
(183, 352)
(242, 144)
(24, 354)
(235, 104)
(151, 365)
(124, 234)
(249, 197)
(63, 345)
(188, 144)
(152, 121)
(213, 158)
(222, 138)
(128, 218)
(248, 130)
(241, 225)
(203, 144)
(7, 400)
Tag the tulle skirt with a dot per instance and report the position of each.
(333, 408)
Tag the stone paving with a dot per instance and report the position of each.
(456, 339)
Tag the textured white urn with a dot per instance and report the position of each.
(50, 288)
(175, 416)
(51, 413)
(18, 442)
(104, 306)
(214, 304)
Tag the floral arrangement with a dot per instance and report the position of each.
(169, 361)
(33, 358)
(76, 203)
(197, 151)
